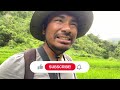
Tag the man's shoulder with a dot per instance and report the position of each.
(15, 58)
(13, 67)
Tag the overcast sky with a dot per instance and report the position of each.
(106, 24)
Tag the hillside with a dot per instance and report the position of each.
(15, 35)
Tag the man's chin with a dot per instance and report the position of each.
(63, 48)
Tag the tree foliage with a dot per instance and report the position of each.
(14, 33)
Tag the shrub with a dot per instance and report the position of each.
(4, 38)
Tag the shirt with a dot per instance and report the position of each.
(14, 68)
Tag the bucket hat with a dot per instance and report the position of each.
(85, 19)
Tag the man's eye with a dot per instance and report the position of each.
(75, 24)
(59, 20)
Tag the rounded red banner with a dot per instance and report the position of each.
(60, 66)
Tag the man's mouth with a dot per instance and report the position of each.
(64, 38)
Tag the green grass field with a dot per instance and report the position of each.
(99, 68)
(5, 53)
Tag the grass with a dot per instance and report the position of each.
(100, 73)
(5, 53)
(99, 68)
(100, 63)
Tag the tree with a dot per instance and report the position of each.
(13, 26)
(117, 52)
(94, 38)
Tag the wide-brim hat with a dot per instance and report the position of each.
(85, 19)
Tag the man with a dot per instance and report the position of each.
(58, 30)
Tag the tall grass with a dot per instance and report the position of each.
(5, 53)
(100, 73)
(99, 68)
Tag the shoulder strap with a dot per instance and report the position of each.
(68, 58)
(29, 57)
(46, 58)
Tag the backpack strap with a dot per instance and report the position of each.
(46, 58)
(29, 57)
(67, 57)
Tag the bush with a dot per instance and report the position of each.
(19, 39)
(4, 38)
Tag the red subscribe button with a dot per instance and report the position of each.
(60, 66)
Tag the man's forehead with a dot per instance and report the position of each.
(58, 13)
(65, 15)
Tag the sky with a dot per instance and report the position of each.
(106, 24)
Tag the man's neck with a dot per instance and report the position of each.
(51, 54)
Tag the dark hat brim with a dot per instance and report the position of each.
(85, 19)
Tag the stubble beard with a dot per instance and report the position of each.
(59, 50)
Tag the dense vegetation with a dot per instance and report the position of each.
(14, 30)
(14, 33)
(15, 37)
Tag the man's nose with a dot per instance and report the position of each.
(66, 28)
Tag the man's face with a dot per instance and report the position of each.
(61, 32)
